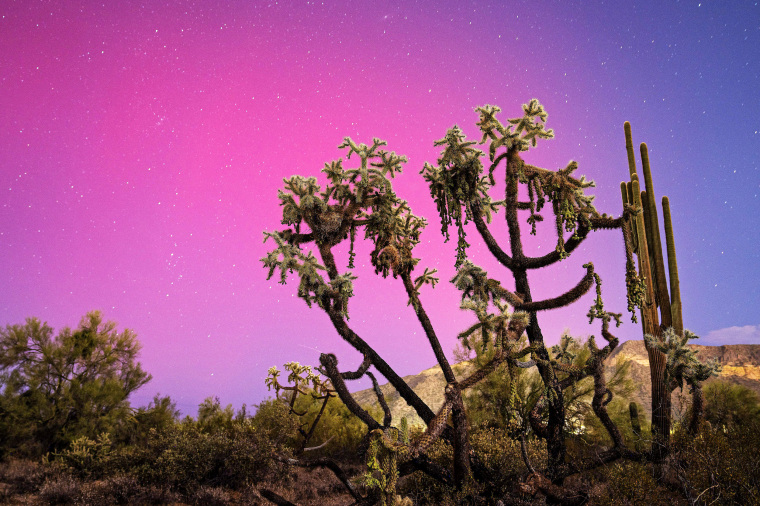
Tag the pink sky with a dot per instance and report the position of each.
(141, 149)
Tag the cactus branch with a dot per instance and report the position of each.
(555, 256)
(629, 149)
(387, 418)
(330, 367)
(428, 328)
(489, 239)
(359, 372)
(661, 287)
(422, 409)
(565, 299)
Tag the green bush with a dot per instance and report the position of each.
(629, 483)
(274, 419)
(160, 414)
(86, 457)
(497, 451)
(422, 488)
(337, 426)
(186, 458)
(594, 432)
(502, 454)
(212, 417)
(56, 388)
(728, 404)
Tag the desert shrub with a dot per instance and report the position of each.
(217, 450)
(422, 488)
(629, 483)
(212, 417)
(728, 404)
(251, 457)
(182, 457)
(487, 403)
(158, 494)
(22, 476)
(211, 496)
(110, 491)
(594, 432)
(60, 489)
(274, 419)
(497, 451)
(185, 458)
(337, 426)
(502, 454)
(86, 457)
(159, 414)
(121, 489)
(56, 388)
(720, 465)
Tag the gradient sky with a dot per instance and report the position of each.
(142, 145)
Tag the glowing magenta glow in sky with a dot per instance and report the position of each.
(142, 146)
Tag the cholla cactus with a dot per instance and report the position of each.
(683, 366)
(362, 197)
(298, 383)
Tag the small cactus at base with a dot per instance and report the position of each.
(633, 411)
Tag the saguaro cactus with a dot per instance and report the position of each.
(648, 249)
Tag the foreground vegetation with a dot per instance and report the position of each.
(305, 447)
(223, 457)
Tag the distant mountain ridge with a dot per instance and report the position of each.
(740, 364)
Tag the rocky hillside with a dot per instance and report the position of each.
(740, 362)
(741, 365)
(428, 384)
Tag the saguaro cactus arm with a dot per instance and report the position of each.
(675, 286)
(653, 241)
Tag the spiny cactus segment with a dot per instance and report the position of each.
(682, 364)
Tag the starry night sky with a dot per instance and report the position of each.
(142, 145)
